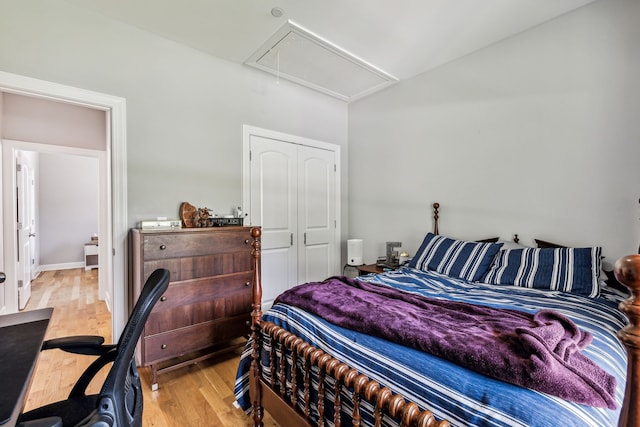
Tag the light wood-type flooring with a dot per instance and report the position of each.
(197, 395)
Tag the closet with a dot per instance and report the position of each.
(292, 192)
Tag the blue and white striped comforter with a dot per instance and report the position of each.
(463, 397)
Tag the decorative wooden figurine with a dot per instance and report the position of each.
(188, 214)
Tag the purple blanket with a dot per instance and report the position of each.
(539, 351)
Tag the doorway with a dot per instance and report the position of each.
(58, 210)
(113, 181)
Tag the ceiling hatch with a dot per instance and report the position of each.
(296, 54)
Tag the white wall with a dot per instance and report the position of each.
(45, 121)
(68, 208)
(185, 109)
(537, 135)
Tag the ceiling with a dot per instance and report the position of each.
(403, 38)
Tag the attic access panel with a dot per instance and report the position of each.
(298, 55)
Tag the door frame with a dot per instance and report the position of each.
(115, 175)
(247, 132)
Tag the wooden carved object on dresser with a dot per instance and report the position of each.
(208, 303)
(188, 214)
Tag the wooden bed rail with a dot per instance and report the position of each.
(304, 357)
(627, 272)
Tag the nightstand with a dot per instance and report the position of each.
(90, 256)
(369, 268)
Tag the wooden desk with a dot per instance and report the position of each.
(21, 337)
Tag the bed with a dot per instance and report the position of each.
(306, 367)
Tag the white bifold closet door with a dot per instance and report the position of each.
(293, 199)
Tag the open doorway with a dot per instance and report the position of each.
(112, 171)
(58, 214)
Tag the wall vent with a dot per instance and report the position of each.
(298, 55)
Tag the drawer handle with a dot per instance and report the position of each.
(246, 241)
(163, 346)
(163, 298)
(163, 247)
(247, 283)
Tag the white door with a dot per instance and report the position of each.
(273, 177)
(316, 214)
(3, 277)
(24, 235)
(293, 197)
(33, 271)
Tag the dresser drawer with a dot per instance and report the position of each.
(199, 301)
(193, 291)
(172, 264)
(188, 244)
(197, 267)
(175, 343)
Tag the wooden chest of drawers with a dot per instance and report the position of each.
(208, 302)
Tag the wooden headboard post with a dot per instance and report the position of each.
(627, 272)
(436, 205)
(256, 313)
(256, 318)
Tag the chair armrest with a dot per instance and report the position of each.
(80, 344)
(80, 387)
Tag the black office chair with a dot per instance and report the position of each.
(119, 402)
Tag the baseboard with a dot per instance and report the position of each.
(107, 301)
(63, 266)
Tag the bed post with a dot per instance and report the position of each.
(436, 205)
(627, 272)
(256, 316)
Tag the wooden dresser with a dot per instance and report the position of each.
(208, 302)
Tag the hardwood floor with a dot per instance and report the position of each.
(197, 395)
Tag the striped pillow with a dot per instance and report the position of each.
(455, 258)
(573, 270)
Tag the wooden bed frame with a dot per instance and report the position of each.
(280, 403)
